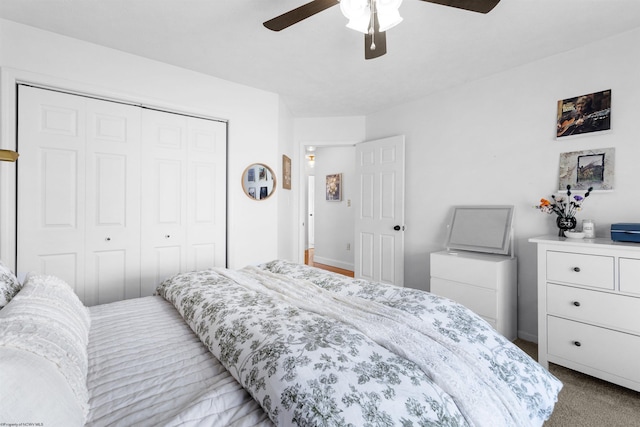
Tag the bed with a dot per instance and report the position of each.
(275, 344)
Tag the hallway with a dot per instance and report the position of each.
(308, 260)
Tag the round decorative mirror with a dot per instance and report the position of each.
(258, 181)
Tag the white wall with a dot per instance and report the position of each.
(493, 142)
(334, 220)
(287, 199)
(253, 116)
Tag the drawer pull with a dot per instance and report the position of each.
(576, 269)
(577, 343)
(576, 303)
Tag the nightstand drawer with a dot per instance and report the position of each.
(599, 308)
(466, 268)
(602, 349)
(580, 269)
(480, 300)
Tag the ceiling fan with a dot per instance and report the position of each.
(371, 17)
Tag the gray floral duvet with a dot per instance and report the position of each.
(315, 348)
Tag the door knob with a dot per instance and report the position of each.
(397, 228)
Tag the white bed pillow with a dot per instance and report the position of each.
(32, 390)
(47, 320)
(9, 285)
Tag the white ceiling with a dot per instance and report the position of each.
(318, 65)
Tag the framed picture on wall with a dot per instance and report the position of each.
(588, 168)
(334, 187)
(286, 172)
(584, 114)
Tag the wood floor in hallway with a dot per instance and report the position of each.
(308, 259)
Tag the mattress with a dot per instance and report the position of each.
(147, 368)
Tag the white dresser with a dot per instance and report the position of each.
(589, 307)
(485, 283)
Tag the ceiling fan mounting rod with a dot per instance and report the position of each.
(372, 31)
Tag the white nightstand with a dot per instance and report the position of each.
(485, 283)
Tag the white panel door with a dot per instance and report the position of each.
(206, 181)
(183, 196)
(112, 201)
(164, 197)
(78, 193)
(379, 224)
(51, 186)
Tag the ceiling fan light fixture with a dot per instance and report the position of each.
(388, 13)
(358, 13)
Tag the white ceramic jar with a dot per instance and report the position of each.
(589, 228)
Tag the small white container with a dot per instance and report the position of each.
(574, 234)
(589, 228)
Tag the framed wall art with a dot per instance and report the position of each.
(588, 168)
(584, 114)
(286, 172)
(334, 187)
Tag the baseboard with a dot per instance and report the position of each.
(333, 263)
(528, 337)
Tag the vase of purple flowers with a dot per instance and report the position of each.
(564, 208)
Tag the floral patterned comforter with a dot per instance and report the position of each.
(319, 349)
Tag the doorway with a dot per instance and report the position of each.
(328, 228)
(308, 253)
(378, 252)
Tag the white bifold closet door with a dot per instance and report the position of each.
(183, 209)
(113, 198)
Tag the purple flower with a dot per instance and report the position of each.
(578, 198)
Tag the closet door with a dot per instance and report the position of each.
(112, 233)
(51, 185)
(183, 196)
(206, 184)
(79, 193)
(164, 197)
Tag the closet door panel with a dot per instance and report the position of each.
(110, 276)
(112, 201)
(51, 186)
(206, 225)
(59, 188)
(164, 197)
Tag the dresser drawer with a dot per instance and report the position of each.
(581, 269)
(599, 308)
(629, 275)
(611, 352)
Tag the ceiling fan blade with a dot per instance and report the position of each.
(298, 14)
(375, 45)
(481, 6)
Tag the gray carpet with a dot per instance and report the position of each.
(585, 401)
